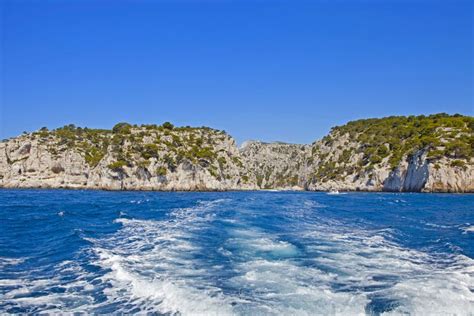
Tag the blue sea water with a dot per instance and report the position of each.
(236, 253)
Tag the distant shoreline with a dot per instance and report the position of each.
(222, 191)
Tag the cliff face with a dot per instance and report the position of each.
(276, 165)
(399, 154)
(135, 159)
(410, 176)
(428, 154)
(415, 173)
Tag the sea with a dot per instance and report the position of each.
(236, 253)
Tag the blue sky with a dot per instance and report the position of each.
(268, 70)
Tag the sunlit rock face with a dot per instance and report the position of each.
(276, 165)
(424, 155)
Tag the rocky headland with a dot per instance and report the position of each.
(399, 154)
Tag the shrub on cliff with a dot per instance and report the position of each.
(458, 163)
(168, 125)
(117, 165)
(161, 171)
(149, 151)
(122, 128)
(440, 134)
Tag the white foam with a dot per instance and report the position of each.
(257, 243)
(4, 261)
(275, 284)
(161, 295)
(355, 271)
(148, 266)
(153, 266)
(416, 281)
(74, 296)
(286, 288)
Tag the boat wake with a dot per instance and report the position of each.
(215, 259)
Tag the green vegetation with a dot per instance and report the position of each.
(91, 143)
(150, 151)
(161, 171)
(168, 125)
(122, 128)
(395, 137)
(238, 162)
(117, 165)
(442, 134)
(222, 162)
(43, 132)
(143, 163)
(93, 156)
(133, 145)
(458, 163)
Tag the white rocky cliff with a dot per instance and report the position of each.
(162, 160)
(151, 157)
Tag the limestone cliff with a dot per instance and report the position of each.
(408, 154)
(428, 154)
(128, 158)
(276, 165)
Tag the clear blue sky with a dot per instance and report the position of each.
(269, 70)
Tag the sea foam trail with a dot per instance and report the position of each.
(395, 280)
(338, 269)
(146, 266)
(275, 284)
(57, 294)
(153, 266)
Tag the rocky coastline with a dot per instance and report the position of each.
(433, 154)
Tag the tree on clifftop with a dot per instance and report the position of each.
(168, 125)
(122, 128)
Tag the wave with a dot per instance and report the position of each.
(56, 294)
(468, 229)
(146, 266)
(274, 284)
(5, 262)
(153, 267)
(215, 259)
(395, 280)
(345, 270)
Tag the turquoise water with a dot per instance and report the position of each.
(237, 253)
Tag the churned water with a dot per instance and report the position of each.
(236, 253)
